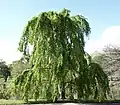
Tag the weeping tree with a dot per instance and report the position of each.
(60, 68)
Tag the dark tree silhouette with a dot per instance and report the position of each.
(4, 70)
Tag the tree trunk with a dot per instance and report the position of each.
(63, 90)
(71, 97)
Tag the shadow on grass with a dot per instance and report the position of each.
(72, 101)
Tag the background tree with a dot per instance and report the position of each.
(4, 70)
(17, 67)
(5, 73)
(109, 60)
(59, 65)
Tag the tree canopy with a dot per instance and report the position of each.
(59, 65)
(4, 70)
(18, 66)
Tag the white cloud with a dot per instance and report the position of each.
(8, 51)
(110, 36)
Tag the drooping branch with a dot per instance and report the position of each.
(58, 44)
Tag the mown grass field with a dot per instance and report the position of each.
(11, 102)
(20, 102)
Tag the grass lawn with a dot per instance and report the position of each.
(21, 102)
(11, 102)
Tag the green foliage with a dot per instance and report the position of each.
(59, 64)
(17, 67)
(5, 92)
(4, 70)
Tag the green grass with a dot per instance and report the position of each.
(16, 102)
(11, 102)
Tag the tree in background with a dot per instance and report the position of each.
(11, 70)
(17, 67)
(59, 66)
(5, 73)
(110, 62)
(4, 70)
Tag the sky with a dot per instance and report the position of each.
(103, 17)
